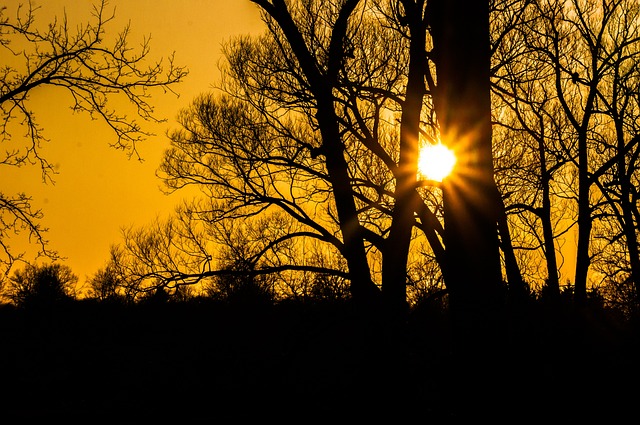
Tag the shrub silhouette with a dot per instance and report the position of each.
(41, 285)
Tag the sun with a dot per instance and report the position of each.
(435, 162)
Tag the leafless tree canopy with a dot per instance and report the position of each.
(341, 169)
(568, 144)
(315, 128)
(96, 68)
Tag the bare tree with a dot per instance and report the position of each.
(40, 285)
(266, 252)
(106, 284)
(80, 61)
(529, 144)
(616, 228)
(322, 118)
(577, 109)
(277, 138)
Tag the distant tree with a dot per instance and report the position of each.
(39, 285)
(106, 284)
(240, 286)
(163, 295)
(78, 60)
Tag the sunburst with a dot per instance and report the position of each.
(435, 162)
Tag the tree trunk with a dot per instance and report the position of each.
(518, 289)
(553, 280)
(396, 250)
(583, 260)
(460, 32)
(631, 238)
(363, 290)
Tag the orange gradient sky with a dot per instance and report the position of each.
(98, 190)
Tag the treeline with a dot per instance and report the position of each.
(197, 357)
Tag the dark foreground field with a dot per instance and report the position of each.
(322, 363)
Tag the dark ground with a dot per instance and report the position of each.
(216, 363)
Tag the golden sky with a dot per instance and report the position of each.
(98, 190)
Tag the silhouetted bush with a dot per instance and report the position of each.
(42, 285)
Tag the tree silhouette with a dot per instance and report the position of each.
(314, 106)
(462, 52)
(570, 90)
(305, 155)
(41, 285)
(265, 133)
(78, 61)
(106, 284)
(529, 137)
(325, 132)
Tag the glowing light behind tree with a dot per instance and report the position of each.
(436, 162)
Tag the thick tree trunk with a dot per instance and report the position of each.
(460, 32)
(585, 219)
(396, 250)
(363, 290)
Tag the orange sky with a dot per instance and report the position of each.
(98, 190)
